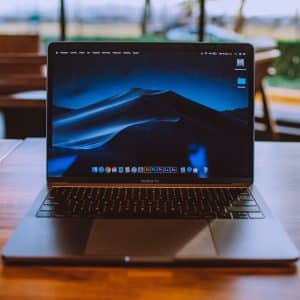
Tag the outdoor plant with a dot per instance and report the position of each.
(288, 64)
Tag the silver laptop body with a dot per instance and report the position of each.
(150, 160)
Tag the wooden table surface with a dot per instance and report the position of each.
(277, 172)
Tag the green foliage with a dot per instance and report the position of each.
(284, 82)
(288, 64)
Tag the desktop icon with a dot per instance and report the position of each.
(94, 169)
(182, 170)
(160, 170)
(189, 169)
(140, 169)
(173, 170)
(121, 170)
(114, 170)
(101, 169)
(240, 62)
(127, 170)
(166, 170)
(241, 81)
(147, 169)
(153, 169)
(107, 170)
(195, 170)
(134, 170)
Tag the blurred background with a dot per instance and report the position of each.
(273, 27)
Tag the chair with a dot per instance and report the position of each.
(264, 60)
(21, 70)
(21, 65)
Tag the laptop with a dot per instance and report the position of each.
(150, 160)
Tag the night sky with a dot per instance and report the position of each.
(83, 80)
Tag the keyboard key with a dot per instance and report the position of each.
(256, 215)
(244, 203)
(240, 215)
(245, 198)
(47, 208)
(45, 214)
(52, 202)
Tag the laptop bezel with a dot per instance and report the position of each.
(130, 46)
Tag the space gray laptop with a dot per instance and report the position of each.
(149, 159)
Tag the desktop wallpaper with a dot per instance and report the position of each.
(149, 109)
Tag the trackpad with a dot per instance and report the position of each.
(150, 238)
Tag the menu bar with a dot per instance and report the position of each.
(81, 52)
(202, 53)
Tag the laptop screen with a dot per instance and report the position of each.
(150, 113)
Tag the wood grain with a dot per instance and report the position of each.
(277, 176)
(19, 43)
(23, 58)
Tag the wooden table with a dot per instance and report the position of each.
(22, 174)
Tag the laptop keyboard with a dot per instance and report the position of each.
(206, 203)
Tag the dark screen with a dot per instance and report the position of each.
(150, 114)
